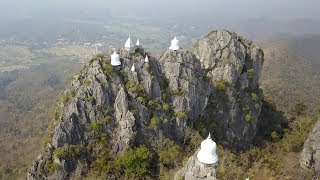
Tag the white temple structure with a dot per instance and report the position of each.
(115, 59)
(133, 68)
(207, 153)
(138, 42)
(174, 44)
(129, 45)
(146, 60)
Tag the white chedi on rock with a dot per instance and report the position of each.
(115, 59)
(133, 68)
(208, 151)
(174, 44)
(146, 60)
(129, 45)
(138, 42)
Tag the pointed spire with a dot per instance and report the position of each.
(138, 42)
(146, 60)
(129, 44)
(133, 68)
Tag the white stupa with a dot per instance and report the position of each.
(207, 153)
(174, 44)
(129, 45)
(133, 68)
(146, 60)
(138, 42)
(115, 59)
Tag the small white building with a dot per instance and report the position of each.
(138, 42)
(115, 59)
(207, 153)
(133, 68)
(146, 60)
(129, 45)
(174, 44)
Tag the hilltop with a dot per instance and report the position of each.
(107, 114)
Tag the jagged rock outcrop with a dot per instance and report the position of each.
(234, 65)
(195, 170)
(310, 156)
(214, 90)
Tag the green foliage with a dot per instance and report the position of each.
(166, 107)
(107, 111)
(86, 82)
(180, 114)
(149, 69)
(60, 152)
(179, 92)
(50, 166)
(303, 126)
(67, 151)
(141, 99)
(203, 76)
(272, 121)
(254, 97)
(248, 57)
(274, 135)
(134, 87)
(108, 69)
(250, 73)
(135, 161)
(68, 95)
(154, 122)
(98, 56)
(91, 99)
(221, 85)
(96, 126)
(313, 150)
(155, 105)
(45, 142)
(276, 160)
(194, 139)
(300, 109)
(248, 117)
(169, 153)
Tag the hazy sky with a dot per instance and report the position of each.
(170, 8)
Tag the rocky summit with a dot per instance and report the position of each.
(213, 89)
(310, 156)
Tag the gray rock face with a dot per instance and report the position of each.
(228, 56)
(213, 90)
(195, 170)
(235, 62)
(310, 156)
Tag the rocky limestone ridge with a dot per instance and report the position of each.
(196, 170)
(310, 156)
(215, 89)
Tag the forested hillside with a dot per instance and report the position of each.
(26, 98)
(290, 76)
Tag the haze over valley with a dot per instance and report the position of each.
(45, 45)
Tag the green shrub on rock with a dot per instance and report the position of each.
(180, 114)
(248, 117)
(250, 73)
(108, 69)
(135, 161)
(50, 166)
